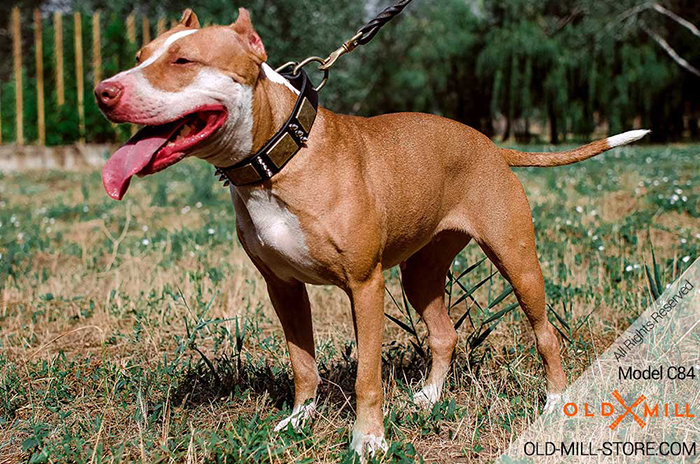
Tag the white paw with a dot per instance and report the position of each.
(555, 401)
(367, 444)
(428, 396)
(300, 414)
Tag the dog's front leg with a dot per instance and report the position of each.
(367, 298)
(291, 303)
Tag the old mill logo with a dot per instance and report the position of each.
(622, 410)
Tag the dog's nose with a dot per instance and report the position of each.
(108, 94)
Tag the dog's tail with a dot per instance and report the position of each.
(520, 158)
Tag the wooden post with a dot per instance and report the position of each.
(17, 60)
(58, 43)
(39, 50)
(160, 26)
(146, 30)
(131, 28)
(96, 49)
(0, 114)
(131, 37)
(79, 76)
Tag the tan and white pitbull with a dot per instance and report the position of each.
(364, 195)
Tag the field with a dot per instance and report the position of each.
(140, 331)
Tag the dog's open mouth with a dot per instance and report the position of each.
(154, 148)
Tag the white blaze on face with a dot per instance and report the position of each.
(152, 106)
(157, 54)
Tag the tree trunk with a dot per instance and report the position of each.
(553, 129)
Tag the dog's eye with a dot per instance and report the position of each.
(182, 61)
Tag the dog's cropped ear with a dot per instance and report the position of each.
(244, 27)
(189, 19)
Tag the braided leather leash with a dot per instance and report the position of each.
(362, 37)
(371, 28)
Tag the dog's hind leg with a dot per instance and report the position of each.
(291, 303)
(504, 230)
(424, 282)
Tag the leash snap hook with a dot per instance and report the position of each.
(347, 47)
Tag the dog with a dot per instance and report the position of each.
(362, 195)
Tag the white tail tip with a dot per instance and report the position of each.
(626, 137)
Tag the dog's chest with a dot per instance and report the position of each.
(274, 235)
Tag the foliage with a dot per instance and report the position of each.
(565, 66)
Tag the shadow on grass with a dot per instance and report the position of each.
(223, 377)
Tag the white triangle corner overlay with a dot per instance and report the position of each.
(660, 419)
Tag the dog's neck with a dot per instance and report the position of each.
(273, 102)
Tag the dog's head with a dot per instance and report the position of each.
(192, 89)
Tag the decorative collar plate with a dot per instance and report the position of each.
(286, 143)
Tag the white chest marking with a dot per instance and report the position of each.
(273, 232)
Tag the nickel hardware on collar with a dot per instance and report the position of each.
(294, 134)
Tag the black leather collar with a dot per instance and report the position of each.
(286, 143)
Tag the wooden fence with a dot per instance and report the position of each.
(59, 82)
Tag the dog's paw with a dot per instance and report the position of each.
(427, 397)
(299, 416)
(367, 445)
(555, 401)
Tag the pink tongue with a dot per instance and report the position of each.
(133, 157)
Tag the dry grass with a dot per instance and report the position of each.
(95, 364)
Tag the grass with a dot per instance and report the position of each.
(140, 331)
